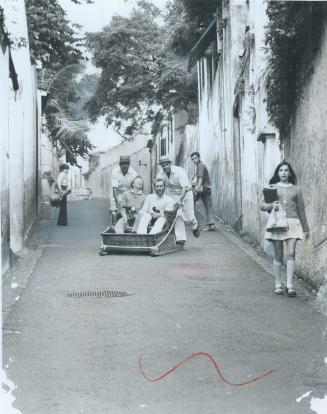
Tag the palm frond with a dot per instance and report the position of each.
(58, 84)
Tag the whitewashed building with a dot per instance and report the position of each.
(20, 134)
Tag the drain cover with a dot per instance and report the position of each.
(98, 294)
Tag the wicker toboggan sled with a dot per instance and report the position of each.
(154, 244)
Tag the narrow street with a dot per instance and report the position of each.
(73, 355)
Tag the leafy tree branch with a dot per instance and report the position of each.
(140, 75)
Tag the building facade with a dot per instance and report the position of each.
(238, 143)
(20, 134)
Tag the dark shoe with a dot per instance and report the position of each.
(212, 227)
(196, 232)
(182, 242)
(290, 292)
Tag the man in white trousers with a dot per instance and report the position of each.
(154, 208)
(178, 187)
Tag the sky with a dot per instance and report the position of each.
(94, 17)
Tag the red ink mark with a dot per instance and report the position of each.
(193, 266)
(215, 364)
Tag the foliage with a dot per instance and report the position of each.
(55, 44)
(293, 35)
(65, 131)
(186, 20)
(53, 39)
(140, 75)
(4, 35)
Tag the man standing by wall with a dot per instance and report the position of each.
(202, 189)
(178, 187)
(121, 180)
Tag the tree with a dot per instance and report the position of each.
(140, 76)
(55, 44)
(66, 131)
(53, 39)
(186, 21)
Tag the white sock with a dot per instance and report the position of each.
(290, 272)
(277, 267)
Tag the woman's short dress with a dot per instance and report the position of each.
(294, 231)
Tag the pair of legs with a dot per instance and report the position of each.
(121, 225)
(205, 196)
(278, 259)
(62, 218)
(187, 215)
(145, 220)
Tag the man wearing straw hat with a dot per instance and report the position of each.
(178, 187)
(121, 179)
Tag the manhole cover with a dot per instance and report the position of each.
(99, 294)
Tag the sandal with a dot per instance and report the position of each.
(279, 290)
(290, 292)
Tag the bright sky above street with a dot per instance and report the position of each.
(94, 16)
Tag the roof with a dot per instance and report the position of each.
(202, 44)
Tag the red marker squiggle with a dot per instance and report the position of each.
(215, 364)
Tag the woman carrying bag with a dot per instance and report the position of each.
(290, 203)
(64, 190)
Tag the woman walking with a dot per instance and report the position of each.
(291, 199)
(64, 190)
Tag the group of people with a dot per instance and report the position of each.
(133, 211)
(172, 190)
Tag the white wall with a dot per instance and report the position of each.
(19, 147)
(4, 162)
(100, 180)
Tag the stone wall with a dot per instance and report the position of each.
(306, 149)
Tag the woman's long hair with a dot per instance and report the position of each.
(275, 178)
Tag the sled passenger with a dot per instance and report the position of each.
(130, 204)
(154, 208)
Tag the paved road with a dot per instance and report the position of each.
(81, 355)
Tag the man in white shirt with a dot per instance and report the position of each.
(178, 187)
(153, 209)
(121, 179)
